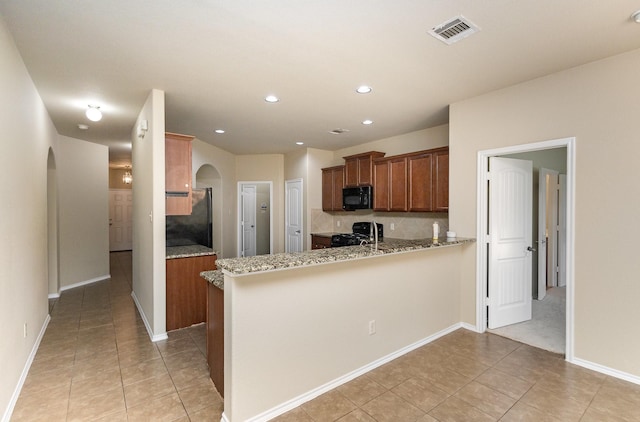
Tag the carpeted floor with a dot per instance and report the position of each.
(546, 330)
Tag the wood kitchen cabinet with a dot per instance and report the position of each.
(390, 184)
(429, 180)
(177, 173)
(332, 184)
(417, 182)
(215, 336)
(187, 291)
(320, 242)
(359, 168)
(440, 180)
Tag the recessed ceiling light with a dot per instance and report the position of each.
(82, 127)
(364, 89)
(367, 122)
(299, 143)
(271, 99)
(220, 131)
(93, 113)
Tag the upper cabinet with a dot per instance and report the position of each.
(332, 184)
(178, 173)
(359, 168)
(417, 182)
(440, 180)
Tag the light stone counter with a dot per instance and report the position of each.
(281, 261)
(189, 251)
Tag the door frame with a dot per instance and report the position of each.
(483, 238)
(239, 213)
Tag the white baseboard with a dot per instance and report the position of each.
(54, 295)
(84, 283)
(224, 418)
(303, 398)
(470, 327)
(606, 370)
(25, 371)
(152, 336)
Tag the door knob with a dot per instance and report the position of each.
(297, 231)
(530, 249)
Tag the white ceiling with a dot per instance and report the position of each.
(217, 59)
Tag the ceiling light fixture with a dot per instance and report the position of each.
(364, 89)
(82, 127)
(299, 143)
(367, 122)
(93, 113)
(219, 131)
(271, 99)
(127, 178)
(636, 16)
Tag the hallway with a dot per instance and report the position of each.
(96, 362)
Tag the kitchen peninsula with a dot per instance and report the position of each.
(299, 324)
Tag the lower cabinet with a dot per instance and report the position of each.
(187, 291)
(215, 336)
(320, 242)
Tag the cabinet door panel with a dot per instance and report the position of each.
(398, 185)
(338, 184)
(441, 181)
(381, 185)
(420, 180)
(351, 172)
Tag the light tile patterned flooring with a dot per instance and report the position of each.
(96, 362)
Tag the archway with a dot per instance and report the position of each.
(208, 176)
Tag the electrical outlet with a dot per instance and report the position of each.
(372, 327)
(392, 226)
(25, 330)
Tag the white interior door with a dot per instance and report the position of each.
(294, 234)
(120, 220)
(547, 224)
(510, 225)
(248, 221)
(562, 230)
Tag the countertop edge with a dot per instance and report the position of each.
(341, 258)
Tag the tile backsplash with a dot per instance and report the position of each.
(406, 225)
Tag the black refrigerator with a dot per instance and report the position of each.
(194, 229)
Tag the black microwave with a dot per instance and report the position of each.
(359, 198)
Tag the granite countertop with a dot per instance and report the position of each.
(214, 277)
(188, 251)
(281, 261)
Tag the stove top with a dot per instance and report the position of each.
(348, 239)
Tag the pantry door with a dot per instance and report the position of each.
(510, 240)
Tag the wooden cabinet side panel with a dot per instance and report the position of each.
(398, 185)
(187, 291)
(338, 184)
(327, 189)
(320, 242)
(215, 336)
(420, 174)
(441, 181)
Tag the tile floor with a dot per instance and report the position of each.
(96, 362)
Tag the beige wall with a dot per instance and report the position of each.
(115, 179)
(224, 194)
(83, 211)
(149, 231)
(597, 104)
(266, 168)
(27, 136)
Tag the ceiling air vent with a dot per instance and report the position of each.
(454, 30)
